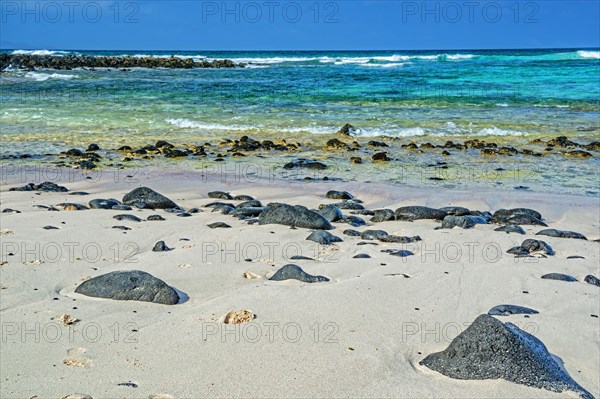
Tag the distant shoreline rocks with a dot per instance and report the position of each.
(68, 62)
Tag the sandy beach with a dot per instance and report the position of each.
(360, 334)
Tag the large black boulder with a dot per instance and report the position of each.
(297, 216)
(129, 285)
(490, 349)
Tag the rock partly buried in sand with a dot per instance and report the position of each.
(343, 195)
(297, 216)
(464, 222)
(593, 280)
(129, 285)
(382, 215)
(531, 247)
(155, 218)
(126, 217)
(45, 186)
(361, 256)
(402, 253)
(77, 396)
(559, 276)
(561, 234)
(220, 195)
(398, 239)
(160, 246)
(490, 349)
(239, 317)
(323, 237)
(219, 225)
(148, 198)
(507, 310)
(331, 212)
(373, 234)
(294, 272)
(103, 203)
(351, 233)
(410, 213)
(511, 228)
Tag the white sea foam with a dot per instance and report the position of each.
(494, 131)
(40, 52)
(189, 124)
(40, 77)
(589, 54)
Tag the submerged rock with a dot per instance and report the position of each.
(561, 234)
(148, 198)
(297, 216)
(295, 272)
(410, 213)
(130, 285)
(490, 349)
(506, 310)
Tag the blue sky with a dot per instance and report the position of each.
(298, 25)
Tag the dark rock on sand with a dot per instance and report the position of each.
(45, 186)
(410, 213)
(149, 197)
(561, 234)
(220, 195)
(79, 193)
(559, 276)
(121, 208)
(456, 210)
(353, 221)
(297, 216)
(50, 227)
(347, 205)
(10, 210)
(382, 215)
(323, 237)
(490, 349)
(381, 157)
(399, 239)
(343, 195)
(523, 219)
(575, 257)
(351, 233)
(121, 228)
(131, 285)
(295, 272)
(465, 222)
(129, 218)
(331, 212)
(247, 212)
(155, 218)
(243, 198)
(70, 206)
(103, 203)
(511, 228)
(250, 204)
(531, 246)
(592, 280)
(361, 256)
(160, 246)
(219, 225)
(502, 216)
(373, 234)
(300, 257)
(305, 163)
(401, 252)
(507, 310)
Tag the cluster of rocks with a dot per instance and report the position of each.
(68, 62)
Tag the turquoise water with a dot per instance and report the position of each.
(507, 96)
(398, 94)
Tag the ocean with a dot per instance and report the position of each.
(509, 96)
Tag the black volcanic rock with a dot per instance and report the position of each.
(295, 272)
(131, 285)
(45, 186)
(506, 310)
(490, 349)
(148, 197)
(410, 213)
(561, 234)
(297, 216)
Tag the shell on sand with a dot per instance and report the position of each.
(251, 276)
(239, 316)
(66, 319)
(77, 362)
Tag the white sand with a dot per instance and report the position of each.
(307, 329)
